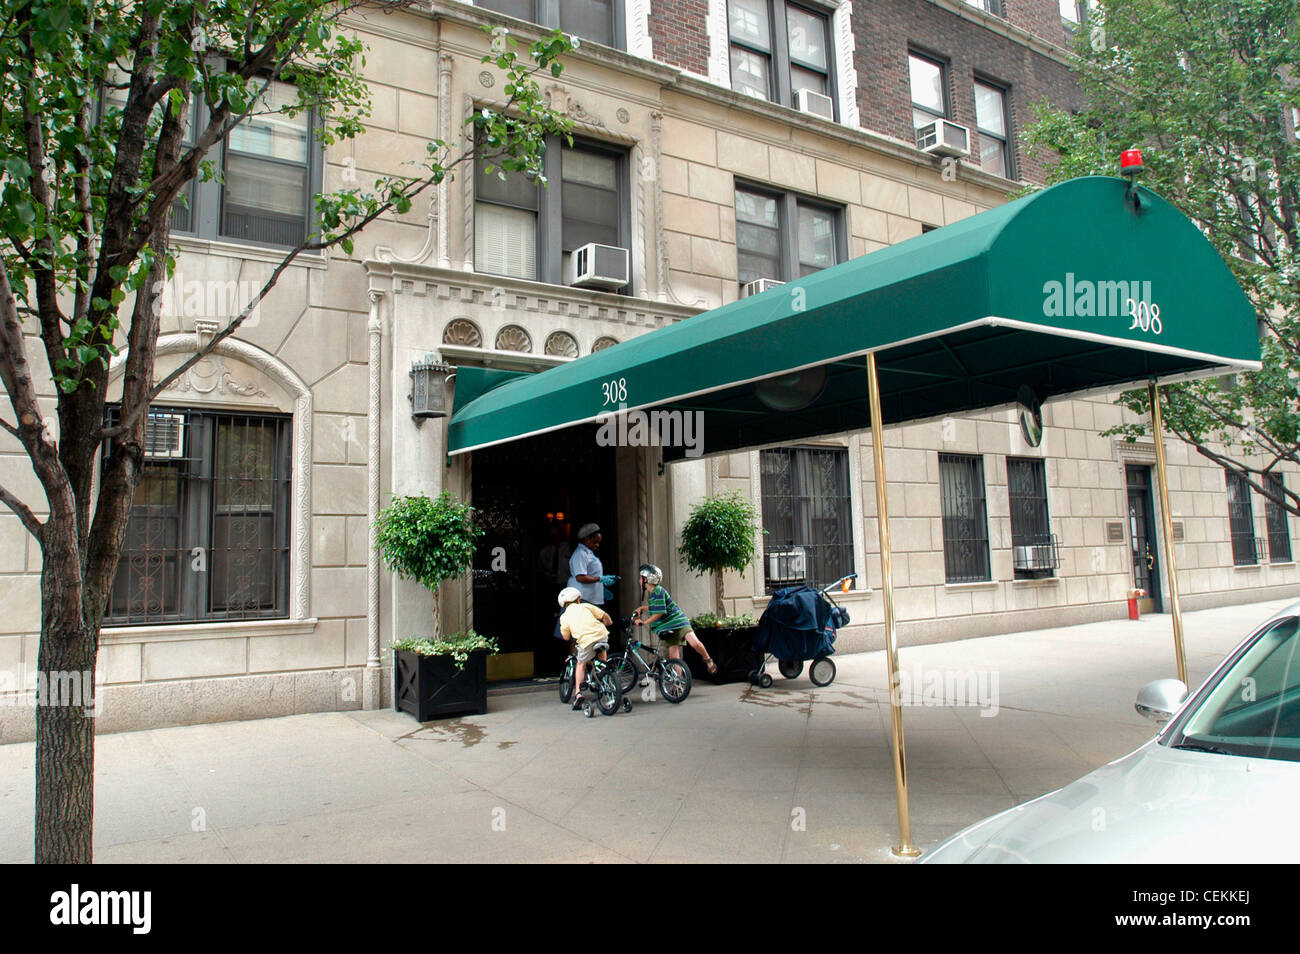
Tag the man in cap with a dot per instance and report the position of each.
(586, 573)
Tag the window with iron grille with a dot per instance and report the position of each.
(965, 519)
(208, 536)
(807, 513)
(1034, 549)
(1279, 529)
(1241, 521)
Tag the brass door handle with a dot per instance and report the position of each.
(1151, 559)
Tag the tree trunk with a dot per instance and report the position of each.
(65, 748)
(437, 617)
(718, 591)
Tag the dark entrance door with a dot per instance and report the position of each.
(532, 496)
(1142, 537)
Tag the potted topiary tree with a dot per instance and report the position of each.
(720, 535)
(431, 541)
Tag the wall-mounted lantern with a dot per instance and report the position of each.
(428, 389)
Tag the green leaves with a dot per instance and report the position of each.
(456, 645)
(428, 541)
(719, 534)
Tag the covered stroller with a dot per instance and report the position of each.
(799, 624)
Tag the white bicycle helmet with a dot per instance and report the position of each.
(651, 574)
(568, 595)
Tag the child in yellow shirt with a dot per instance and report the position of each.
(588, 627)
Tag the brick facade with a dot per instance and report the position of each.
(1040, 17)
(677, 29)
(885, 30)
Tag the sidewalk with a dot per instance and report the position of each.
(735, 773)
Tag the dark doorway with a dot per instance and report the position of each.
(532, 496)
(1142, 537)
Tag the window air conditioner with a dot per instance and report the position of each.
(787, 566)
(811, 101)
(758, 286)
(164, 436)
(942, 138)
(598, 266)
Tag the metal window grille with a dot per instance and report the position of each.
(208, 536)
(1279, 530)
(1034, 548)
(1241, 522)
(807, 513)
(965, 519)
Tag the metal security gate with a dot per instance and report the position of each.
(1142, 537)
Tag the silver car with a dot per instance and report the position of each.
(1219, 783)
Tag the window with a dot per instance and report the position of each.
(778, 49)
(965, 519)
(929, 90)
(1241, 521)
(807, 514)
(267, 172)
(988, 6)
(270, 165)
(763, 218)
(525, 231)
(1034, 552)
(596, 20)
(991, 121)
(208, 536)
(1279, 531)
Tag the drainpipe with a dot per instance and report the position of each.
(372, 690)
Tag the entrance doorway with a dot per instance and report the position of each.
(532, 496)
(1142, 537)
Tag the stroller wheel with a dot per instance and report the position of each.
(627, 705)
(765, 681)
(790, 668)
(822, 671)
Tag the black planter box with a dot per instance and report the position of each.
(429, 687)
(731, 649)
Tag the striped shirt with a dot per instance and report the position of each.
(661, 602)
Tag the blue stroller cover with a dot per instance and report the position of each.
(799, 623)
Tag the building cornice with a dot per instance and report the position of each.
(996, 24)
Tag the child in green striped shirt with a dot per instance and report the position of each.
(665, 618)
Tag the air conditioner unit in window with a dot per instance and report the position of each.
(758, 286)
(811, 101)
(164, 436)
(598, 266)
(787, 566)
(942, 138)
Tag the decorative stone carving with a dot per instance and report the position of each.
(514, 338)
(562, 344)
(462, 331)
(623, 115)
(562, 102)
(486, 79)
(211, 376)
(603, 342)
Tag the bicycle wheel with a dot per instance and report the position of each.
(822, 671)
(674, 680)
(626, 669)
(609, 696)
(566, 681)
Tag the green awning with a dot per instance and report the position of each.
(1065, 291)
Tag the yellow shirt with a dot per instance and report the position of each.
(581, 622)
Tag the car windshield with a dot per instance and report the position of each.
(1254, 709)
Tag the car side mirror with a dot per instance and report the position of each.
(1159, 700)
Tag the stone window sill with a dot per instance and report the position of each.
(179, 632)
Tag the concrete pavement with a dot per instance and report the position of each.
(792, 773)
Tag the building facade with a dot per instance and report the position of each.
(725, 145)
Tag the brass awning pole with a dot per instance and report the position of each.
(904, 848)
(1167, 531)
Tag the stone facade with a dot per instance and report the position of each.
(334, 343)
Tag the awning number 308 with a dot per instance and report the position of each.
(1145, 316)
(615, 391)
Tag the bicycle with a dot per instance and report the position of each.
(671, 675)
(602, 680)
